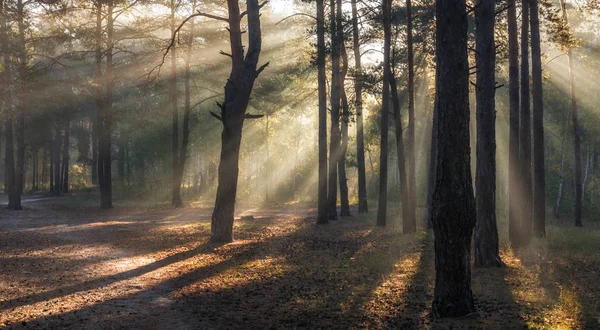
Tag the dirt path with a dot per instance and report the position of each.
(89, 269)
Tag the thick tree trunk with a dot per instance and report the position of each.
(360, 139)
(576, 133)
(514, 177)
(486, 230)
(334, 142)
(385, 109)
(539, 172)
(454, 211)
(412, 182)
(408, 226)
(322, 217)
(525, 134)
(233, 111)
(344, 204)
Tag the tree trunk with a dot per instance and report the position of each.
(233, 111)
(56, 160)
(66, 156)
(514, 167)
(408, 225)
(44, 164)
(432, 164)
(322, 217)
(486, 230)
(576, 133)
(561, 176)
(539, 172)
(454, 211)
(412, 182)
(105, 137)
(14, 199)
(344, 204)
(334, 142)
(98, 177)
(20, 127)
(176, 178)
(385, 100)
(360, 140)
(525, 134)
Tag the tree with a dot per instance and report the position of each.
(514, 167)
(525, 133)
(385, 105)
(412, 183)
(322, 184)
(408, 226)
(486, 231)
(344, 204)
(334, 140)
(539, 172)
(453, 201)
(176, 189)
(233, 112)
(360, 144)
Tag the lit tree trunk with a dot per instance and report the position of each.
(525, 133)
(454, 211)
(360, 140)
(322, 185)
(344, 204)
(514, 167)
(576, 133)
(385, 100)
(412, 183)
(539, 171)
(486, 230)
(408, 226)
(561, 177)
(176, 183)
(586, 173)
(334, 142)
(233, 112)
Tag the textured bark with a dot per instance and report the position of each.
(539, 171)
(576, 133)
(334, 142)
(322, 187)
(233, 111)
(486, 230)
(412, 182)
(514, 189)
(453, 201)
(360, 139)
(344, 204)
(408, 226)
(525, 135)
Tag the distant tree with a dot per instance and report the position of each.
(453, 202)
(385, 106)
(411, 226)
(344, 204)
(514, 167)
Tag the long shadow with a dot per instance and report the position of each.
(312, 291)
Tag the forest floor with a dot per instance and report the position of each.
(78, 267)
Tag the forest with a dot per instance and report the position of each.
(299, 164)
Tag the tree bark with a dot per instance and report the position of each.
(334, 142)
(360, 139)
(525, 134)
(561, 176)
(322, 217)
(486, 230)
(412, 182)
(385, 109)
(576, 133)
(454, 211)
(233, 110)
(344, 204)
(20, 127)
(514, 177)
(539, 172)
(432, 164)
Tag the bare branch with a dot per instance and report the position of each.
(216, 116)
(244, 13)
(297, 14)
(264, 66)
(251, 116)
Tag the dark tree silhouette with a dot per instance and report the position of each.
(334, 139)
(525, 134)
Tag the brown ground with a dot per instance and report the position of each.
(65, 267)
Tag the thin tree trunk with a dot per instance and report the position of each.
(486, 230)
(66, 156)
(97, 160)
(525, 133)
(20, 127)
(454, 211)
(176, 178)
(514, 167)
(344, 204)
(334, 142)
(561, 177)
(432, 164)
(412, 182)
(360, 140)
(385, 100)
(44, 164)
(56, 160)
(322, 217)
(105, 137)
(408, 226)
(576, 133)
(539, 172)
(586, 173)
